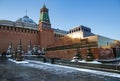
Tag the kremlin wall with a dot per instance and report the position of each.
(58, 43)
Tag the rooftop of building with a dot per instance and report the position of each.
(80, 28)
(25, 19)
(59, 31)
(23, 22)
(27, 22)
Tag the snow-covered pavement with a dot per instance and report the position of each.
(18, 62)
(58, 69)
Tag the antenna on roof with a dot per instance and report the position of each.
(44, 2)
(26, 12)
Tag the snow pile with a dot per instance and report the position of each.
(18, 62)
(74, 60)
(93, 62)
(84, 61)
(8, 56)
(58, 69)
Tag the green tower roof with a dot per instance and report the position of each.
(44, 6)
(44, 16)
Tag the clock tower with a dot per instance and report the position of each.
(46, 33)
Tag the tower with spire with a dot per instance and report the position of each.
(44, 26)
(44, 21)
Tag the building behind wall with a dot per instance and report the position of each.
(26, 30)
(59, 43)
(81, 37)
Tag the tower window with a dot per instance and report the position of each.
(28, 31)
(11, 28)
(79, 29)
(15, 29)
(72, 31)
(18, 29)
(3, 28)
(34, 31)
(7, 28)
(25, 30)
(22, 30)
(31, 31)
(76, 29)
(37, 32)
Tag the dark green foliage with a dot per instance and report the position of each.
(89, 55)
(18, 54)
(78, 54)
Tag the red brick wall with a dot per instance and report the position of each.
(46, 37)
(95, 52)
(8, 35)
(69, 53)
(63, 54)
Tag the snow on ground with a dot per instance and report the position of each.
(83, 61)
(18, 62)
(30, 55)
(65, 69)
(93, 62)
(48, 67)
(8, 56)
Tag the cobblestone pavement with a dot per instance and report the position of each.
(10, 71)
